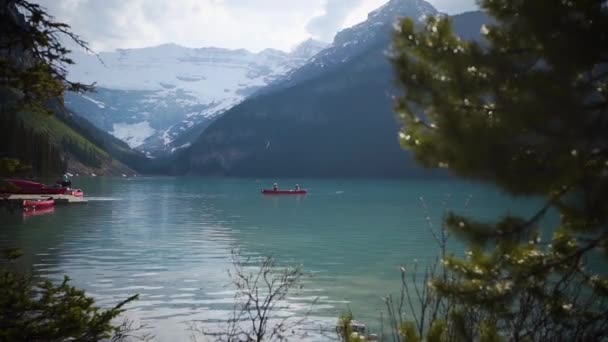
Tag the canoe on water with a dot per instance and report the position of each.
(38, 212)
(284, 192)
(38, 204)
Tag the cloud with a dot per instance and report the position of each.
(325, 26)
(249, 24)
(454, 6)
(255, 25)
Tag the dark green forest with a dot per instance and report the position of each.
(30, 147)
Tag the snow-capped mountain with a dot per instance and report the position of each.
(333, 117)
(308, 49)
(150, 96)
(351, 42)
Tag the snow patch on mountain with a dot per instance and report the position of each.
(133, 134)
(173, 88)
(308, 48)
(98, 103)
(186, 145)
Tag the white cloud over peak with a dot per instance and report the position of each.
(325, 26)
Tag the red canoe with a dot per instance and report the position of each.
(38, 204)
(284, 192)
(33, 188)
(25, 184)
(38, 212)
(77, 193)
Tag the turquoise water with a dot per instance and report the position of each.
(170, 240)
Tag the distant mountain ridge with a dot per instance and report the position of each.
(148, 97)
(355, 40)
(333, 117)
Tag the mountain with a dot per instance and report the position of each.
(355, 40)
(50, 144)
(331, 117)
(115, 148)
(307, 49)
(148, 97)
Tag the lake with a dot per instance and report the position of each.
(170, 240)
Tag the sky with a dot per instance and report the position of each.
(251, 24)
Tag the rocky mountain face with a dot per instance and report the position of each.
(331, 117)
(353, 41)
(149, 97)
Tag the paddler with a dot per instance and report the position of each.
(65, 181)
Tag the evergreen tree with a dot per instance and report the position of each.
(525, 109)
(38, 310)
(33, 73)
(33, 56)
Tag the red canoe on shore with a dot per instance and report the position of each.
(33, 188)
(38, 204)
(284, 192)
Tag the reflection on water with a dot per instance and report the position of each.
(170, 240)
(26, 214)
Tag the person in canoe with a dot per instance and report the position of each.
(65, 181)
(275, 187)
(298, 187)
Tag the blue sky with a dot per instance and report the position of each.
(249, 24)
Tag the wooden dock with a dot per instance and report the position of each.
(59, 199)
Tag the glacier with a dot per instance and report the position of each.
(149, 97)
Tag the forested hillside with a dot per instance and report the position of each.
(35, 128)
(53, 144)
